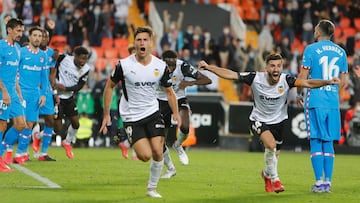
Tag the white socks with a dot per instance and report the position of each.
(155, 171)
(167, 159)
(271, 163)
(181, 137)
(71, 135)
(127, 143)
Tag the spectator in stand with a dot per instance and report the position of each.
(96, 27)
(122, 10)
(8, 10)
(106, 14)
(37, 6)
(210, 46)
(27, 14)
(225, 43)
(288, 22)
(188, 36)
(307, 23)
(266, 40)
(173, 35)
(76, 30)
(3, 23)
(272, 12)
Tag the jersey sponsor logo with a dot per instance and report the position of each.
(12, 63)
(269, 99)
(27, 58)
(71, 76)
(144, 84)
(33, 68)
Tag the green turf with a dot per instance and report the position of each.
(103, 176)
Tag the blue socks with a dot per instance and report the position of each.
(322, 158)
(317, 158)
(46, 139)
(24, 141)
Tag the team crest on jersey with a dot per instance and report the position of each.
(42, 60)
(280, 89)
(174, 79)
(156, 72)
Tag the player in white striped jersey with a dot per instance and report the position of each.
(71, 76)
(141, 74)
(269, 113)
(180, 71)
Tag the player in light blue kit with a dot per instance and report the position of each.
(33, 82)
(12, 107)
(323, 60)
(48, 109)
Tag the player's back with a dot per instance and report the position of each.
(326, 61)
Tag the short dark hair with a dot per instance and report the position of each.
(32, 29)
(13, 23)
(271, 57)
(169, 54)
(146, 29)
(80, 51)
(326, 27)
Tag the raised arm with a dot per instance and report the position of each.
(221, 72)
(315, 83)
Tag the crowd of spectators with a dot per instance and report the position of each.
(283, 26)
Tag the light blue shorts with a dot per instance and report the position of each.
(48, 108)
(323, 124)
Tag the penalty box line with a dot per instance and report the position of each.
(36, 176)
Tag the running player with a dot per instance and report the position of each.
(269, 113)
(141, 74)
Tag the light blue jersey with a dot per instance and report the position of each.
(9, 62)
(32, 76)
(48, 108)
(325, 60)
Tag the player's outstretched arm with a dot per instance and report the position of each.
(221, 72)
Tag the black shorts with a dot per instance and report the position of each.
(148, 127)
(166, 111)
(67, 108)
(257, 128)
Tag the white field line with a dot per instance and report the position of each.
(36, 176)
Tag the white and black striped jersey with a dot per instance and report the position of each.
(183, 71)
(139, 85)
(270, 101)
(72, 77)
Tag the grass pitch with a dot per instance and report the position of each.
(103, 176)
